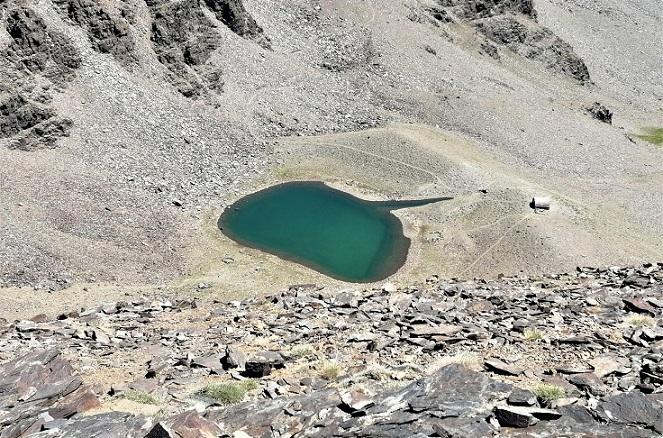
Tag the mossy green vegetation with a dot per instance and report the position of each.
(641, 321)
(302, 351)
(532, 334)
(652, 135)
(229, 393)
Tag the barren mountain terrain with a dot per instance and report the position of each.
(128, 126)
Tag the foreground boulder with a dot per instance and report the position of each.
(38, 389)
(380, 363)
(41, 397)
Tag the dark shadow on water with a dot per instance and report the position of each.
(409, 203)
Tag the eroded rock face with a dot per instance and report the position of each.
(184, 38)
(512, 23)
(17, 114)
(38, 49)
(600, 112)
(39, 388)
(107, 33)
(233, 14)
(472, 9)
(535, 42)
(26, 118)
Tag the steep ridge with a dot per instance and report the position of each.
(183, 38)
(26, 117)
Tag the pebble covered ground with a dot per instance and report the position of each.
(561, 354)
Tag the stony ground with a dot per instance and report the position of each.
(126, 126)
(565, 355)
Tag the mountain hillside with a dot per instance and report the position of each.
(124, 124)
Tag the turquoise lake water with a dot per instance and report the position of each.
(328, 230)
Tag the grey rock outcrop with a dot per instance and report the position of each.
(39, 388)
(26, 118)
(513, 24)
(473, 9)
(233, 14)
(534, 42)
(37, 48)
(600, 112)
(107, 33)
(596, 376)
(184, 38)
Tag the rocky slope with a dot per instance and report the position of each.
(150, 114)
(565, 355)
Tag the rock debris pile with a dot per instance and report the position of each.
(565, 355)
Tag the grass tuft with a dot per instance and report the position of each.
(377, 373)
(652, 135)
(466, 358)
(229, 393)
(301, 351)
(547, 393)
(139, 397)
(330, 371)
(641, 321)
(532, 334)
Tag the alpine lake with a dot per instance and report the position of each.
(328, 230)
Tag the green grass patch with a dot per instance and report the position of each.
(547, 393)
(652, 135)
(229, 393)
(641, 321)
(139, 397)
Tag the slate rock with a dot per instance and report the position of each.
(188, 424)
(589, 382)
(212, 362)
(600, 112)
(514, 417)
(500, 367)
(262, 364)
(423, 330)
(356, 401)
(632, 408)
(577, 421)
(234, 358)
(521, 416)
(522, 397)
(608, 364)
(639, 306)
